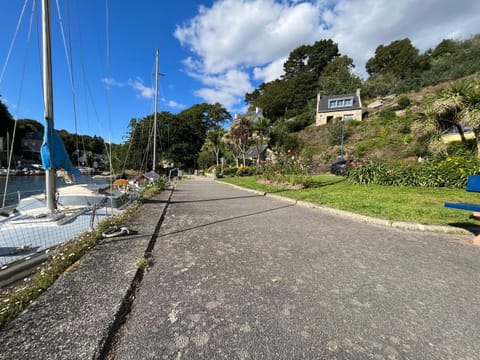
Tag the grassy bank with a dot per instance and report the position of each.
(411, 204)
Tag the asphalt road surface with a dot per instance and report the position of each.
(238, 275)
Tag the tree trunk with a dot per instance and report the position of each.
(461, 132)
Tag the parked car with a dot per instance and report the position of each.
(338, 167)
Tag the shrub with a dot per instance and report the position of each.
(245, 171)
(403, 102)
(450, 172)
(230, 171)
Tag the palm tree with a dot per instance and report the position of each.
(427, 127)
(215, 139)
(460, 104)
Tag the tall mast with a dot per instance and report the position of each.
(156, 108)
(48, 101)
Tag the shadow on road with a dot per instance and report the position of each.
(215, 199)
(226, 220)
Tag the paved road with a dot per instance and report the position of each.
(244, 276)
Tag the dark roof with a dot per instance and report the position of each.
(250, 116)
(253, 151)
(325, 100)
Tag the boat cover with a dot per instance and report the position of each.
(60, 158)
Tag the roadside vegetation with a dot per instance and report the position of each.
(397, 203)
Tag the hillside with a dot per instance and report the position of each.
(384, 134)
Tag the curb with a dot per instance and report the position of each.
(403, 225)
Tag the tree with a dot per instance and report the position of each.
(240, 132)
(338, 77)
(179, 137)
(400, 58)
(299, 83)
(6, 120)
(458, 105)
(310, 58)
(260, 133)
(190, 130)
(428, 129)
(272, 97)
(446, 48)
(215, 139)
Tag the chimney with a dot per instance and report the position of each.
(358, 96)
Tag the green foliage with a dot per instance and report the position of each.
(179, 137)
(288, 171)
(403, 102)
(205, 159)
(152, 187)
(299, 83)
(6, 120)
(230, 171)
(450, 60)
(246, 170)
(310, 58)
(450, 172)
(400, 58)
(145, 262)
(396, 203)
(387, 115)
(338, 77)
(300, 122)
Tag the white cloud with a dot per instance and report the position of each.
(142, 90)
(235, 44)
(248, 33)
(228, 88)
(359, 26)
(174, 104)
(109, 82)
(269, 72)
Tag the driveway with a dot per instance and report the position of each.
(243, 276)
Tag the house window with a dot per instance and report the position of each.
(340, 103)
(347, 117)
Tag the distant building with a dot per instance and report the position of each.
(252, 116)
(257, 151)
(31, 143)
(344, 107)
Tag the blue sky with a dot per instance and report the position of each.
(210, 51)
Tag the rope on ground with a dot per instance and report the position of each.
(115, 231)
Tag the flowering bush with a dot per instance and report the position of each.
(288, 169)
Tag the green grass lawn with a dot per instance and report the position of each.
(411, 204)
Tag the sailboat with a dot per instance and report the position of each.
(43, 221)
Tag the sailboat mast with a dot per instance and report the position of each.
(48, 100)
(156, 109)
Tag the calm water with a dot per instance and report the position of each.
(30, 185)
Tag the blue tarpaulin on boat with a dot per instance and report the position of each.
(60, 158)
